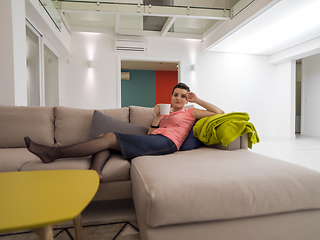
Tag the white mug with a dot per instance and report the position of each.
(164, 109)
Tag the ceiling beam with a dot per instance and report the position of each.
(145, 33)
(136, 32)
(116, 23)
(184, 35)
(65, 21)
(213, 28)
(167, 26)
(239, 6)
(92, 29)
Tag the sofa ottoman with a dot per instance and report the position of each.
(215, 194)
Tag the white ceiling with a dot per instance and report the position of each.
(286, 24)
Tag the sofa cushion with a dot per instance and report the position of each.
(12, 159)
(102, 123)
(209, 184)
(141, 116)
(191, 142)
(19, 122)
(116, 169)
(72, 125)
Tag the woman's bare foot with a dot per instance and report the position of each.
(46, 154)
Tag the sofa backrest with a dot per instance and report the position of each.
(63, 126)
(72, 125)
(142, 116)
(19, 122)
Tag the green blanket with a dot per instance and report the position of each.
(224, 128)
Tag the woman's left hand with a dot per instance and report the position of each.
(191, 97)
(157, 109)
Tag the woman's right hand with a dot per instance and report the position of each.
(157, 118)
(157, 109)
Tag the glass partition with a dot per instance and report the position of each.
(131, 22)
(90, 19)
(192, 25)
(51, 6)
(185, 16)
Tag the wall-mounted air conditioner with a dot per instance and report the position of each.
(125, 75)
(131, 45)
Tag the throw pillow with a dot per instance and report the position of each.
(102, 124)
(191, 141)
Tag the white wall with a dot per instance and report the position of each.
(234, 82)
(13, 86)
(240, 83)
(6, 63)
(285, 85)
(84, 87)
(310, 113)
(19, 52)
(97, 87)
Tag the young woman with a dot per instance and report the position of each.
(165, 136)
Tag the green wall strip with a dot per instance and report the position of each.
(140, 90)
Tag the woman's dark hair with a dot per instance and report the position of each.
(181, 86)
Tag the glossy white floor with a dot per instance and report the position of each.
(302, 150)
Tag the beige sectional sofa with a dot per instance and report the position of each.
(62, 126)
(206, 193)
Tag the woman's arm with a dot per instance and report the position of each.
(156, 120)
(198, 113)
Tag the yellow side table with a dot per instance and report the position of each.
(37, 199)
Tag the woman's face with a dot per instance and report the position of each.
(178, 99)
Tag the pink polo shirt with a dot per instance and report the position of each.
(176, 126)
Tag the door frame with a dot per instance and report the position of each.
(121, 58)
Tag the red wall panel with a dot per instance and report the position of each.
(165, 81)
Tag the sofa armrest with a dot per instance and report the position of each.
(244, 142)
(239, 143)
